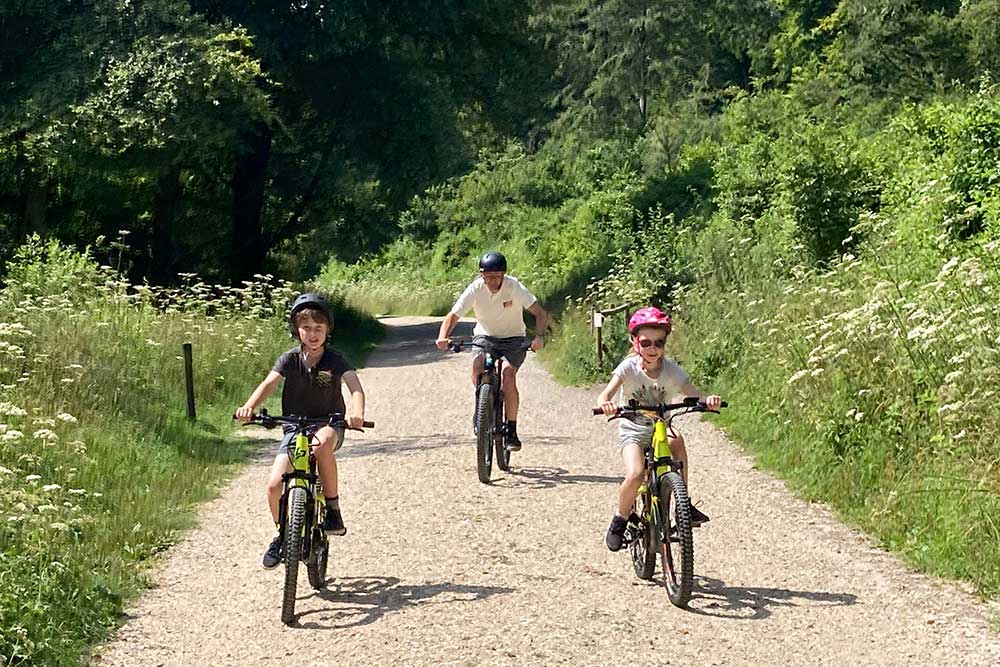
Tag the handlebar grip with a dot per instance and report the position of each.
(368, 424)
(724, 404)
(597, 411)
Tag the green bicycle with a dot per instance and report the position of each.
(661, 520)
(302, 506)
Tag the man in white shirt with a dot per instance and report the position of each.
(498, 301)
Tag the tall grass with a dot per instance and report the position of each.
(99, 468)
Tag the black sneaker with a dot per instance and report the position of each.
(697, 517)
(616, 533)
(513, 442)
(273, 554)
(333, 522)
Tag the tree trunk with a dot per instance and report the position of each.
(36, 199)
(161, 244)
(248, 184)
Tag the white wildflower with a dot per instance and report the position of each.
(58, 526)
(816, 371)
(66, 417)
(958, 436)
(46, 508)
(12, 410)
(12, 436)
(952, 376)
(798, 375)
(45, 434)
(51, 487)
(32, 478)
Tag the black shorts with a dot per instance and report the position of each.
(514, 349)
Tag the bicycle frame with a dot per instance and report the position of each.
(658, 462)
(304, 475)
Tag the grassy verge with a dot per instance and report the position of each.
(99, 469)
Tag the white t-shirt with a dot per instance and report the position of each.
(496, 314)
(644, 389)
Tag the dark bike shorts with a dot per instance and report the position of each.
(514, 349)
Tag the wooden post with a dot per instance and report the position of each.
(189, 379)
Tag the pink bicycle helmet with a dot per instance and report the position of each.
(651, 316)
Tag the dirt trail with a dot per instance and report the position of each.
(438, 569)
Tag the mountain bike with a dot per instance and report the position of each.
(489, 423)
(661, 520)
(302, 506)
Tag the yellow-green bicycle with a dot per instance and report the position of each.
(661, 521)
(300, 513)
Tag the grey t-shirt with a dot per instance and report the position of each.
(312, 392)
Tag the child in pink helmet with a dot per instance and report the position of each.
(651, 379)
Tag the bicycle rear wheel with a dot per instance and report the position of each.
(319, 553)
(500, 438)
(484, 432)
(644, 549)
(293, 551)
(676, 539)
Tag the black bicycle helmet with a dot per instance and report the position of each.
(493, 261)
(308, 300)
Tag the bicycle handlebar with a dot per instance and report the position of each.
(456, 344)
(692, 403)
(271, 421)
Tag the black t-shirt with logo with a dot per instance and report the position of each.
(312, 392)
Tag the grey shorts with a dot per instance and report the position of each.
(288, 440)
(514, 349)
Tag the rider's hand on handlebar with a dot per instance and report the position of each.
(244, 413)
(608, 408)
(712, 402)
(353, 421)
(442, 343)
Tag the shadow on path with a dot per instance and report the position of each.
(360, 449)
(356, 601)
(547, 477)
(412, 344)
(713, 598)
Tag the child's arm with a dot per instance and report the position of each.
(356, 414)
(263, 390)
(604, 399)
(710, 400)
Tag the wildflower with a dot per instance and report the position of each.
(952, 376)
(858, 416)
(12, 410)
(798, 375)
(949, 407)
(32, 478)
(958, 436)
(11, 436)
(66, 380)
(816, 371)
(48, 488)
(77, 492)
(5, 471)
(45, 434)
(58, 526)
(46, 508)
(66, 417)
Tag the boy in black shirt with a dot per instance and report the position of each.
(312, 373)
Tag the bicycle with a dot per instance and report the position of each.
(489, 411)
(302, 506)
(661, 518)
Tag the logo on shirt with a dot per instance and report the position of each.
(508, 304)
(324, 378)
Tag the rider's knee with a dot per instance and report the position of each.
(633, 477)
(510, 375)
(274, 485)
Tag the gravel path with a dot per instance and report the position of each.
(438, 569)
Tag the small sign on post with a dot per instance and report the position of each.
(598, 319)
(189, 379)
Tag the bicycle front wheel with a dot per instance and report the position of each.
(293, 551)
(676, 539)
(484, 432)
(644, 549)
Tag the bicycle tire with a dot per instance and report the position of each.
(644, 549)
(319, 554)
(484, 432)
(293, 551)
(500, 439)
(677, 554)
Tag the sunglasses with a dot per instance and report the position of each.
(659, 342)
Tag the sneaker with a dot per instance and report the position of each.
(273, 554)
(333, 522)
(697, 517)
(513, 442)
(616, 533)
